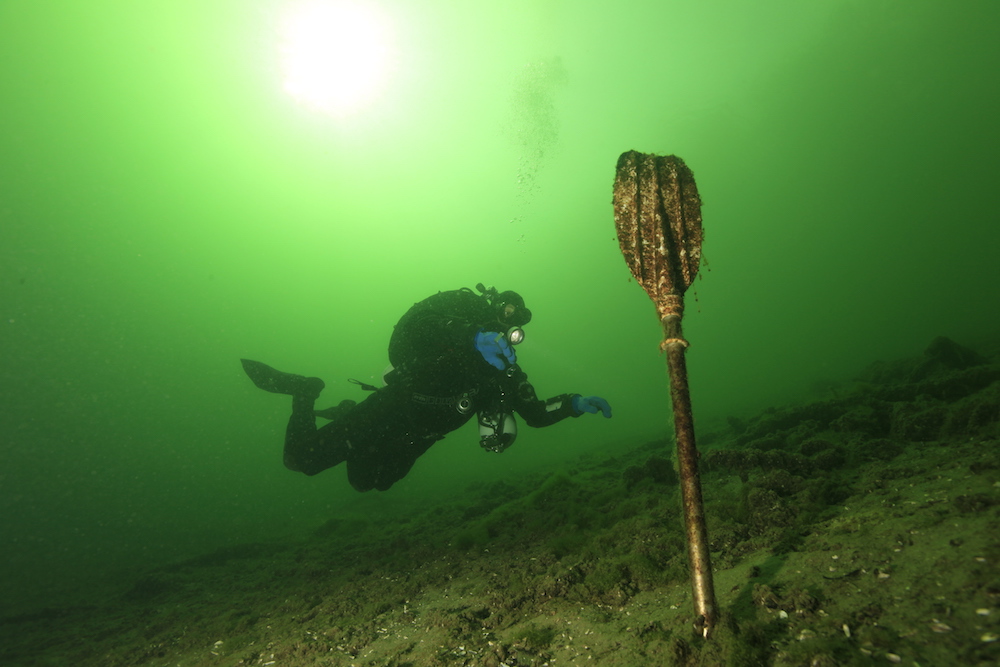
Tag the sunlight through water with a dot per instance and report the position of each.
(336, 54)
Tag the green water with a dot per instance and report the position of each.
(166, 208)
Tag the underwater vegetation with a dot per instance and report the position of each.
(859, 529)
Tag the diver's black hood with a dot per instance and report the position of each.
(510, 309)
(507, 307)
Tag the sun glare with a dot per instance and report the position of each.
(336, 54)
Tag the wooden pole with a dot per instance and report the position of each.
(702, 587)
(658, 219)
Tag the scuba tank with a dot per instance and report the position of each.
(497, 430)
(497, 426)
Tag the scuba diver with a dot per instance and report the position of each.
(452, 356)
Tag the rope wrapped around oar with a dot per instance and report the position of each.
(658, 218)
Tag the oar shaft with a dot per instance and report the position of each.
(687, 459)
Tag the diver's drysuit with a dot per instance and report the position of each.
(439, 380)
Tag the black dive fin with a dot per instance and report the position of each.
(276, 382)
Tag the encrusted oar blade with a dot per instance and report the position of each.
(658, 218)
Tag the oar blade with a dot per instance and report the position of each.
(658, 219)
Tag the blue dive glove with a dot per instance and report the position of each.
(495, 349)
(591, 404)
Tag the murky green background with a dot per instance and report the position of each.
(165, 209)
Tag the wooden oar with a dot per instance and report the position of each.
(658, 217)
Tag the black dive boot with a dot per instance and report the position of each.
(276, 382)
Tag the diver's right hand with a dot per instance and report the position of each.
(591, 404)
(495, 349)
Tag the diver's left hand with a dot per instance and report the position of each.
(591, 404)
(495, 349)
